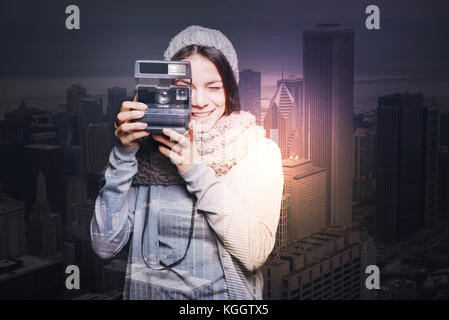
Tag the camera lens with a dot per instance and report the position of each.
(181, 94)
(163, 97)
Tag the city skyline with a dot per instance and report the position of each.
(409, 42)
(343, 159)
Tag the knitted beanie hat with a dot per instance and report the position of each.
(205, 37)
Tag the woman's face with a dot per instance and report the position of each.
(208, 95)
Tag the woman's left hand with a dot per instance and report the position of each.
(181, 149)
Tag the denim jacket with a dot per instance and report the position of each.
(242, 208)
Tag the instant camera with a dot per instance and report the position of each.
(169, 105)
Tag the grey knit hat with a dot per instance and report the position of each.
(206, 37)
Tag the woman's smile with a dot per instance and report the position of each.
(202, 115)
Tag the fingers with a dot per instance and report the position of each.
(172, 145)
(129, 127)
(192, 129)
(175, 158)
(129, 132)
(130, 115)
(174, 136)
(134, 136)
(130, 110)
(133, 105)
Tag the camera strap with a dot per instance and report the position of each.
(171, 265)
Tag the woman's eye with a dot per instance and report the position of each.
(215, 88)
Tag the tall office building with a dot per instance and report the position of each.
(307, 186)
(279, 121)
(283, 225)
(49, 160)
(61, 121)
(324, 265)
(400, 166)
(431, 144)
(328, 96)
(10, 171)
(93, 135)
(443, 164)
(296, 87)
(273, 271)
(116, 96)
(443, 183)
(12, 230)
(270, 124)
(91, 111)
(363, 159)
(75, 94)
(97, 148)
(85, 258)
(444, 126)
(250, 92)
(45, 226)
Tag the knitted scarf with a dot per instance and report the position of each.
(220, 148)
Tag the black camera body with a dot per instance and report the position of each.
(169, 105)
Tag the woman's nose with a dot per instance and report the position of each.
(199, 99)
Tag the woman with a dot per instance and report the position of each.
(202, 208)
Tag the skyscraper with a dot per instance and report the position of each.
(363, 159)
(45, 227)
(328, 266)
(443, 183)
(328, 89)
(284, 217)
(307, 186)
(270, 124)
(443, 164)
(12, 230)
(279, 121)
(49, 160)
(91, 111)
(97, 143)
(296, 87)
(444, 126)
(400, 167)
(74, 96)
(93, 137)
(97, 148)
(250, 92)
(431, 143)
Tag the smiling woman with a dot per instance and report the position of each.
(214, 90)
(208, 94)
(202, 208)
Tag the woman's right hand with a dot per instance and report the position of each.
(129, 132)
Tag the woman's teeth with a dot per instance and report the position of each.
(202, 114)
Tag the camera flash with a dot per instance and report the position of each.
(176, 69)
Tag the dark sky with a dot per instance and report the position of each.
(267, 35)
